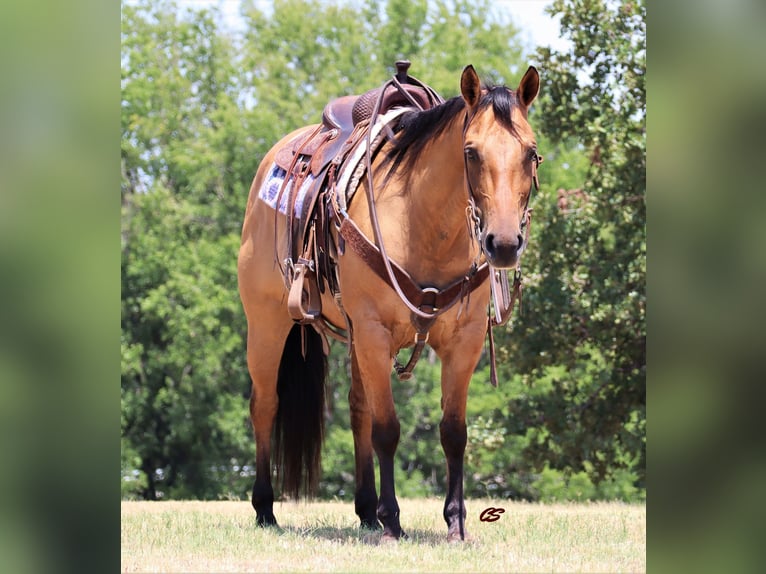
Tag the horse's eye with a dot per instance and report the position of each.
(471, 154)
(533, 154)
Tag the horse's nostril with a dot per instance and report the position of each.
(519, 241)
(489, 243)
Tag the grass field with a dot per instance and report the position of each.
(323, 537)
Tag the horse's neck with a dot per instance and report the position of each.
(439, 247)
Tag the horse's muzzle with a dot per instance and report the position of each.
(503, 251)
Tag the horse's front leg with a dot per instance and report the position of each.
(372, 345)
(458, 364)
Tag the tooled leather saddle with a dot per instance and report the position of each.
(309, 268)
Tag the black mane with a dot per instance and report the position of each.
(416, 129)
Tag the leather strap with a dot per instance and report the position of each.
(404, 372)
(422, 326)
(443, 299)
(285, 182)
(392, 278)
(304, 300)
(492, 366)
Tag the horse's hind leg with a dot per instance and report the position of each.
(265, 341)
(365, 496)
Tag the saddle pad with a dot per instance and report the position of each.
(273, 183)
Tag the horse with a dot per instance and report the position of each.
(445, 197)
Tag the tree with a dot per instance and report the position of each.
(580, 344)
(186, 166)
(184, 381)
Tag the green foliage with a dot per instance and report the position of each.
(133, 482)
(184, 378)
(200, 107)
(580, 344)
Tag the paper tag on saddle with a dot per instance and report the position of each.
(269, 191)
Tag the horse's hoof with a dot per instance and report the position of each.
(265, 520)
(370, 525)
(456, 538)
(391, 537)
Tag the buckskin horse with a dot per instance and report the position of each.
(392, 224)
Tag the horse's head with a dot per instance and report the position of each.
(501, 161)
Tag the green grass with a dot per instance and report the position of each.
(323, 537)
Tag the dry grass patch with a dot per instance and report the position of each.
(324, 537)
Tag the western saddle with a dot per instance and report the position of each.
(309, 268)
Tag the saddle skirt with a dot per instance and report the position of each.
(338, 175)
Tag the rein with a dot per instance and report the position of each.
(392, 279)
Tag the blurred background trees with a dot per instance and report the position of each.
(201, 105)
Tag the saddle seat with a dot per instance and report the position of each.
(337, 114)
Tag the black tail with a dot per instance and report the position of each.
(299, 424)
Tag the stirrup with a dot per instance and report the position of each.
(304, 302)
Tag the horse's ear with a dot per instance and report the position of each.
(470, 86)
(529, 87)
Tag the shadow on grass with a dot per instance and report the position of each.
(356, 535)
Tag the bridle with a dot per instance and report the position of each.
(502, 298)
(473, 213)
